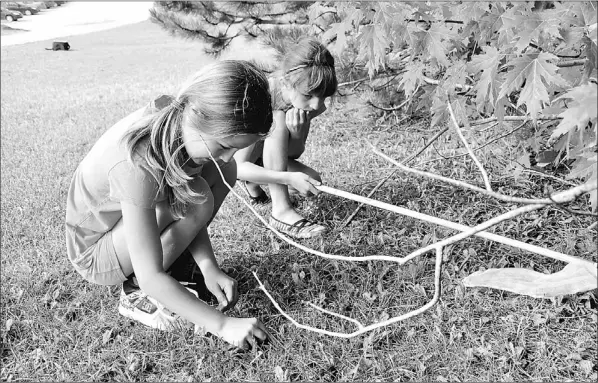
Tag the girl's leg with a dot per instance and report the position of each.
(254, 190)
(176, 235)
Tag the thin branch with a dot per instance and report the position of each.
(570, 63)
(431, 81)
(515, 118)
(353, 82)
(502, 197)
(547, 176)
(471, 154)
(359, 325)
(426, 307)
(389, 109)
(479, 147)
(405, 162)
(570, 211)
(565, 196)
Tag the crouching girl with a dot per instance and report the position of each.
(147, 191)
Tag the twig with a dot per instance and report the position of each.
(405, 161)
(547, 175)
(451, 181)
(479, 147)
(359, 325)
(570, 63)
(565, 196)
(570, 211)
(471, 154)
(431, 81)
(427, 306)
(515, 118)
(353, 82)
(389, 109)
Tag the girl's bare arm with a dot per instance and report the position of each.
(145, 249)
(248, 171)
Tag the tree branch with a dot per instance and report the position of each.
(405, 161)
(362, 329)
(515, 118)
(502, 197)
(479, 147)
(471, 154)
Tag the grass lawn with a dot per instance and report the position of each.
(55, 326)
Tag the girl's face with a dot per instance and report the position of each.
(221, 148)
(306, 102)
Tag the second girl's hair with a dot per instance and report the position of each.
(223, 99)
(309, 68)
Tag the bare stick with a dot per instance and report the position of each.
(471, 154)
(515, 118)
(479, 147)
(462, 184)
(427, 306)
(359, 325)
(390, 109)
(405, 161)
(558, 198)
(565, 196)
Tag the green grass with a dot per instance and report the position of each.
(55, 326)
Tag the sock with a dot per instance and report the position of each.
(130, 285)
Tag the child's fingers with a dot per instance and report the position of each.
(232, 294)
(260, 334)
(222, 301)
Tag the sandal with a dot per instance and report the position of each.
(303, 228)
(262, 199)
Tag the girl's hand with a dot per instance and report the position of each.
(242, 332)
(304, 184)
(222, 286)
(297, 120)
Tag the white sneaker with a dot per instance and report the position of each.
(138, 306)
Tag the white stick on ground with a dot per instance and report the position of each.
(557, 198)
(471, 154)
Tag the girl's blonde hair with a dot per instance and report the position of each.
(308, 67)
(225, 98)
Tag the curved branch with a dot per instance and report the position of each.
(382, 181)
(426, 307)
(471, 154)
(515, 118)
(481, 146)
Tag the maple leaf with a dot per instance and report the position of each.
(339, 31)
(583, 167)
(373, 44)
(535, 69)
(454, 76)
(412, 77)
(439, 110)
(434, 41)
(581, 110)
(508, 21)
(487, 87)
